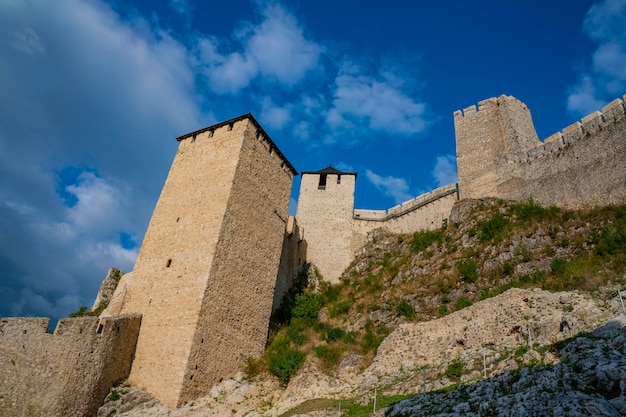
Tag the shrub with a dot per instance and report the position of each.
(307, 306)
(329, 355)
(468, 269)
(114, 395)
(82, 311)
(558, 265)
(296, 336)
(461, 303)
(252, 367)
(405, 309)
(283, 360)
(455, 369)
(423, 239)
(493, 228)
(530, 209)
(334, 333)
(342, 307)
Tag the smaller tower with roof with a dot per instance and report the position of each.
(325, 213)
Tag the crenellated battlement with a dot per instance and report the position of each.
(407, 206)
(499, 155)
(65, 373)
(585, 129)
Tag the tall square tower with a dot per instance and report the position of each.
(205, 276)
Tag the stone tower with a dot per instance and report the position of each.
(325, 213)
(205, 276)
(500, 126)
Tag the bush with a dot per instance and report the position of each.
(296, 336)
(455, 369)
(423, 239)
(461, 303)
(558, 266)
(493, 228)
(283, 360)
(307, 306)
(252, 367)
(530, 209)
(405, 309)
(468, 269)
(334, 333)
(329, 355)
(81, 312)
(342, 307)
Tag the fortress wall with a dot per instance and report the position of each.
(171, 273)
(292, 260)
(67, 373)
(585, 165)
(582, 166)
(499, 125)
(425, 212)
(326, 217)
(234, 319)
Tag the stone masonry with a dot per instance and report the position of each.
(499, 155)
(334, 229)
(67, 373)
(220, 252)
(206, 273)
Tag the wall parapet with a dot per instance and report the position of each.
(65, 373)
(612, 113)
(407, 206)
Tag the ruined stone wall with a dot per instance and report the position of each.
(210, 254)
(583, 166)
(325, 214)
(68, 373)
(237, 303)
(425, 212)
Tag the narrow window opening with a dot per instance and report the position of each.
(339, 179)
(190, 377)
(230, 127)
(150, 302)
(100, 328)
(177, 219)
(196, 366)
(210, 134)
(193, 139)
(322, 183)
(168, 263)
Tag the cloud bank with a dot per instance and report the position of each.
(605, 78)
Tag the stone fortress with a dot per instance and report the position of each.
(221, 251)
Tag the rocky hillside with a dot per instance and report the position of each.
(434, 310)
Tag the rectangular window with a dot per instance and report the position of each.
(339, 179)
(322, 183)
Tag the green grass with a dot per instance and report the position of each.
(349, 407)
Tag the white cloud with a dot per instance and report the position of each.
(82, 87)
(27, 41)
(390, 186)
(276, 49)
(445, 170)
(274, 116)
(377, 101)
(606, 77)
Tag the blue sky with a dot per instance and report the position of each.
(93, 94)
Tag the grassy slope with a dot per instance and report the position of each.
(496, 245)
